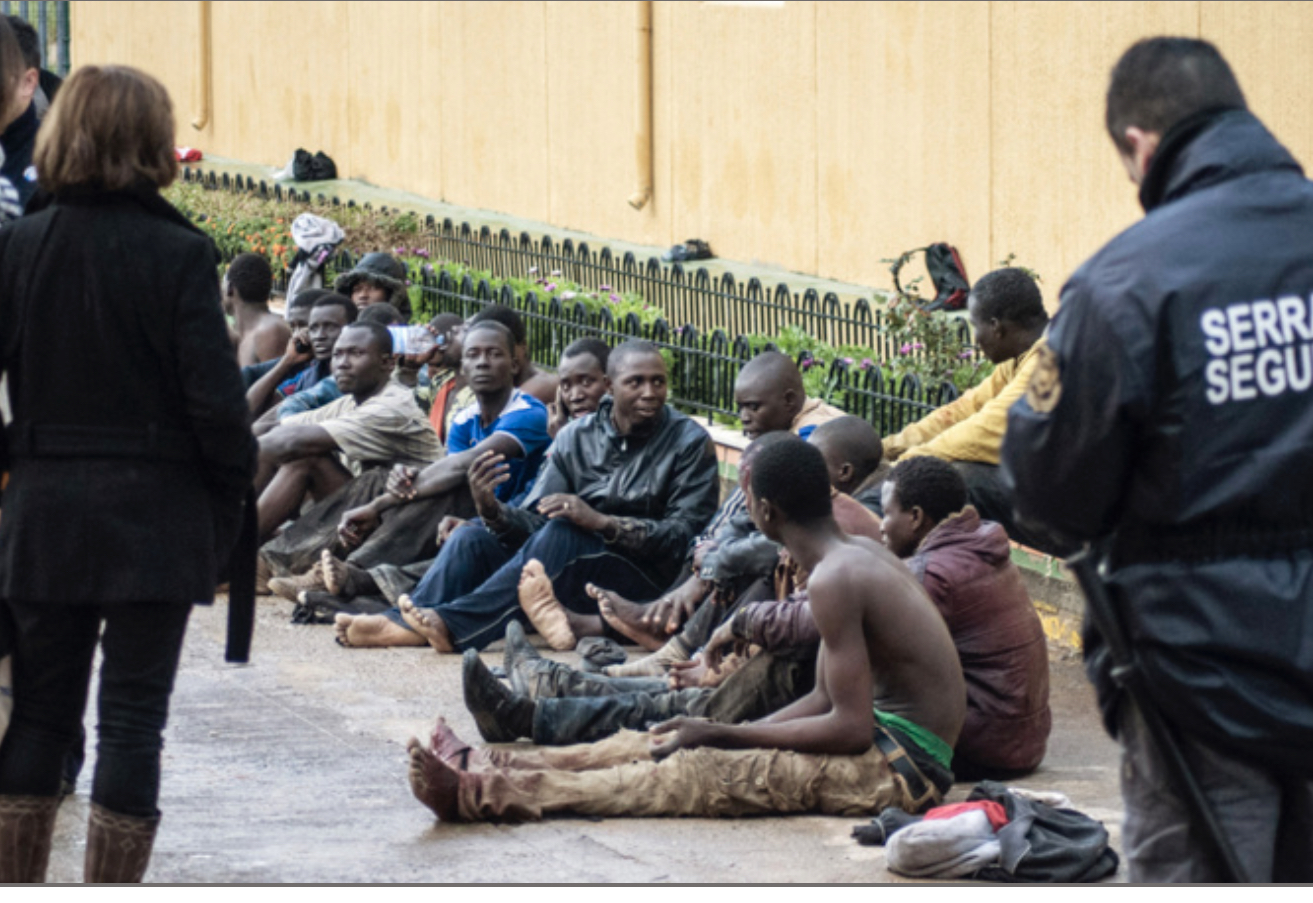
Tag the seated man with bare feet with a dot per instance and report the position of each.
(529, 379)
(877, 730)
(731, 554)
(852, 452)
(365, 583)
(261, 333)
(394, 517)
(577, 707)
(621, 495)
(376, 422)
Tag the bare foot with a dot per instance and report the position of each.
(373, 630)
(427, 623)
(627, 618)
(338, 577)
(548, 616)
(433, 782)
(290, 588)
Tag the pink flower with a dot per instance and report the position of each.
(422, 252)
(917, 346)
(906, 349)
(604, 288)
(549, 287)
(867, 363)
(967, 355)
(615, 299)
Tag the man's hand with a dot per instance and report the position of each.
(558, 414)
(674, 608)
(293, 354)
(488, 471)
(686, 733)
(450, 524)
(357, 524)
(721, 642)
(401, 482)
(687, 675)
(700, 553)
(573, 509)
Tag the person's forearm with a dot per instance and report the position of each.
(825, 733)
(257, 397)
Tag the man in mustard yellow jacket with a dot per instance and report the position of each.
(1008, 316)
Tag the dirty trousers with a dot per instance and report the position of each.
(618, 777)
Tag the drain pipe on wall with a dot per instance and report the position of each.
(203, 117)
(643, 136)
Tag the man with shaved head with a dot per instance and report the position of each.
(732, 553)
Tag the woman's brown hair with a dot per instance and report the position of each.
(110, 127)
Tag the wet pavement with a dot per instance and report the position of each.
(293, 769)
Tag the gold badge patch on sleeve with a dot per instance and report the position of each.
(1046, 382)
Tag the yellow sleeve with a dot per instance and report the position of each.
(980, 436)
(948, 416)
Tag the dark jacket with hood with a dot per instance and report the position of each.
(1171, 420)
(663, 485)
(131, 449)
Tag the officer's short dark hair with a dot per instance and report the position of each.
(379, 336)
(507, 317)
(931, 484)
(493, 326)
(333, 299)
(1010, 295)
(1160, 81)
(29, 42)
(251, 277)
(792, 474)
(596, 348)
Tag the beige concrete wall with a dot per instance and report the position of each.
(817, 136)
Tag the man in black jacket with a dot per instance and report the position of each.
(619, 499)
(1169, 419)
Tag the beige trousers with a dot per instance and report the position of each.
(617, 777)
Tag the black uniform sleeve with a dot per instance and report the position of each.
(1069, 444)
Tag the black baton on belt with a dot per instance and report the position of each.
(1129, 677)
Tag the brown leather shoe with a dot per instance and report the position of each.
(118, 847)
(27, 824)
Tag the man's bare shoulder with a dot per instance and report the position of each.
(860, 565)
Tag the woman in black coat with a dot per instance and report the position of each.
(128, 456)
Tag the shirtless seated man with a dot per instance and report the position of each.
(877, 730)
(261, 333)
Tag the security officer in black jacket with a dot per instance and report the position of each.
(1171, 418)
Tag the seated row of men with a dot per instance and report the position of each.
(596, 515)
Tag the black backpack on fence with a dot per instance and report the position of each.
(949, 276)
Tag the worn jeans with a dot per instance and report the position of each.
(617, 777)
(55, 646)
(764, 685)
(1267, 816)
(474, 583)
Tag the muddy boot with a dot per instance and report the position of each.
(501, 715)
(118, 846)
(27, 824)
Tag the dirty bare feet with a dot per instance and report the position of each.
(290, 588)
(654, 665)
(343, 579)
(433, 782)
(427, 623)
(363, 631)
(548, 616)
(627, 618)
